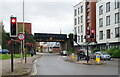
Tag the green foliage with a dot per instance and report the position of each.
(71, 51)
(5, 39)
(110, 51)
(30, 38)
(95, 49)
(103, 50)
(116, 53)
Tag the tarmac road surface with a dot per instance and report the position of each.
(52, 64)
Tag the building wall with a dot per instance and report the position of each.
(112, 26)
(91, 18)
(28, 27)
(88, 6)
(79, 33)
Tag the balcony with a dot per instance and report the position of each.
(88, 28)
(88, 6)
(88, 21)
(88, 17)
(88, 10)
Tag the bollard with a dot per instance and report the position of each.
(98, 58)
(73, 56)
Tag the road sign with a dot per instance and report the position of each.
(21, 36)
(107, 43)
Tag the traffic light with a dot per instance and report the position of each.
(13, 26)
(75, 38)
(92, 35)
(88, 32)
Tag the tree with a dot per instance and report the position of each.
(5, 38)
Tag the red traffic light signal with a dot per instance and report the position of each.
(13, 27)
(92, 35)
(92, 31)
(13, 20)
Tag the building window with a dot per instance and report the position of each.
(81, 38)
(108, 7)
(107, 20)
(101, 10)
(117, 17)
(78, 29)
(75, 12)
(81, 9)
(75, 21)
(101, 22)
(78, 20)
(78, 11)
(101, 35)
(117, 32)
(117, 4)
(81, 19)
(75, 30)
(81, 28)
(108, 34)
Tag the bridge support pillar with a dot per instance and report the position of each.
(63, 46)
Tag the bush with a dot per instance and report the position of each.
(71, 51)
(103, 50)
(116, 53)
(111, 51)
(95, 49)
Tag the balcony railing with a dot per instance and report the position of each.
(88, 17)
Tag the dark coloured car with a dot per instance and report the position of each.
(4, 51)
(82, 53)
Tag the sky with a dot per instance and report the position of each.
(46, 16)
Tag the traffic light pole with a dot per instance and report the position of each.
(12, 68)
(87, 54)
(21, 53)
(88, 51)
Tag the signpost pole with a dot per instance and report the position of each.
(21, 37)
(21, 51)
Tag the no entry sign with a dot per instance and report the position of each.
(21, 36)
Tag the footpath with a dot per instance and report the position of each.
(20, 69)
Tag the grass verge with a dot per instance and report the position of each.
(8, 56)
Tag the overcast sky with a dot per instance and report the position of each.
(46, 16)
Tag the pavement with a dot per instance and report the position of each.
(20, 69)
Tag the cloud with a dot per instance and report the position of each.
(46, 17)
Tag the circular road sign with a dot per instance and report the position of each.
(21, 36)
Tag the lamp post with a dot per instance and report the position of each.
(24, 41)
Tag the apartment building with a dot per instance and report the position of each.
(108, 23)
(84, 21)
(79, 22)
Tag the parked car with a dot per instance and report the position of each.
(64, 53)
(83, 53)
(103, 55)
(4, 51)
